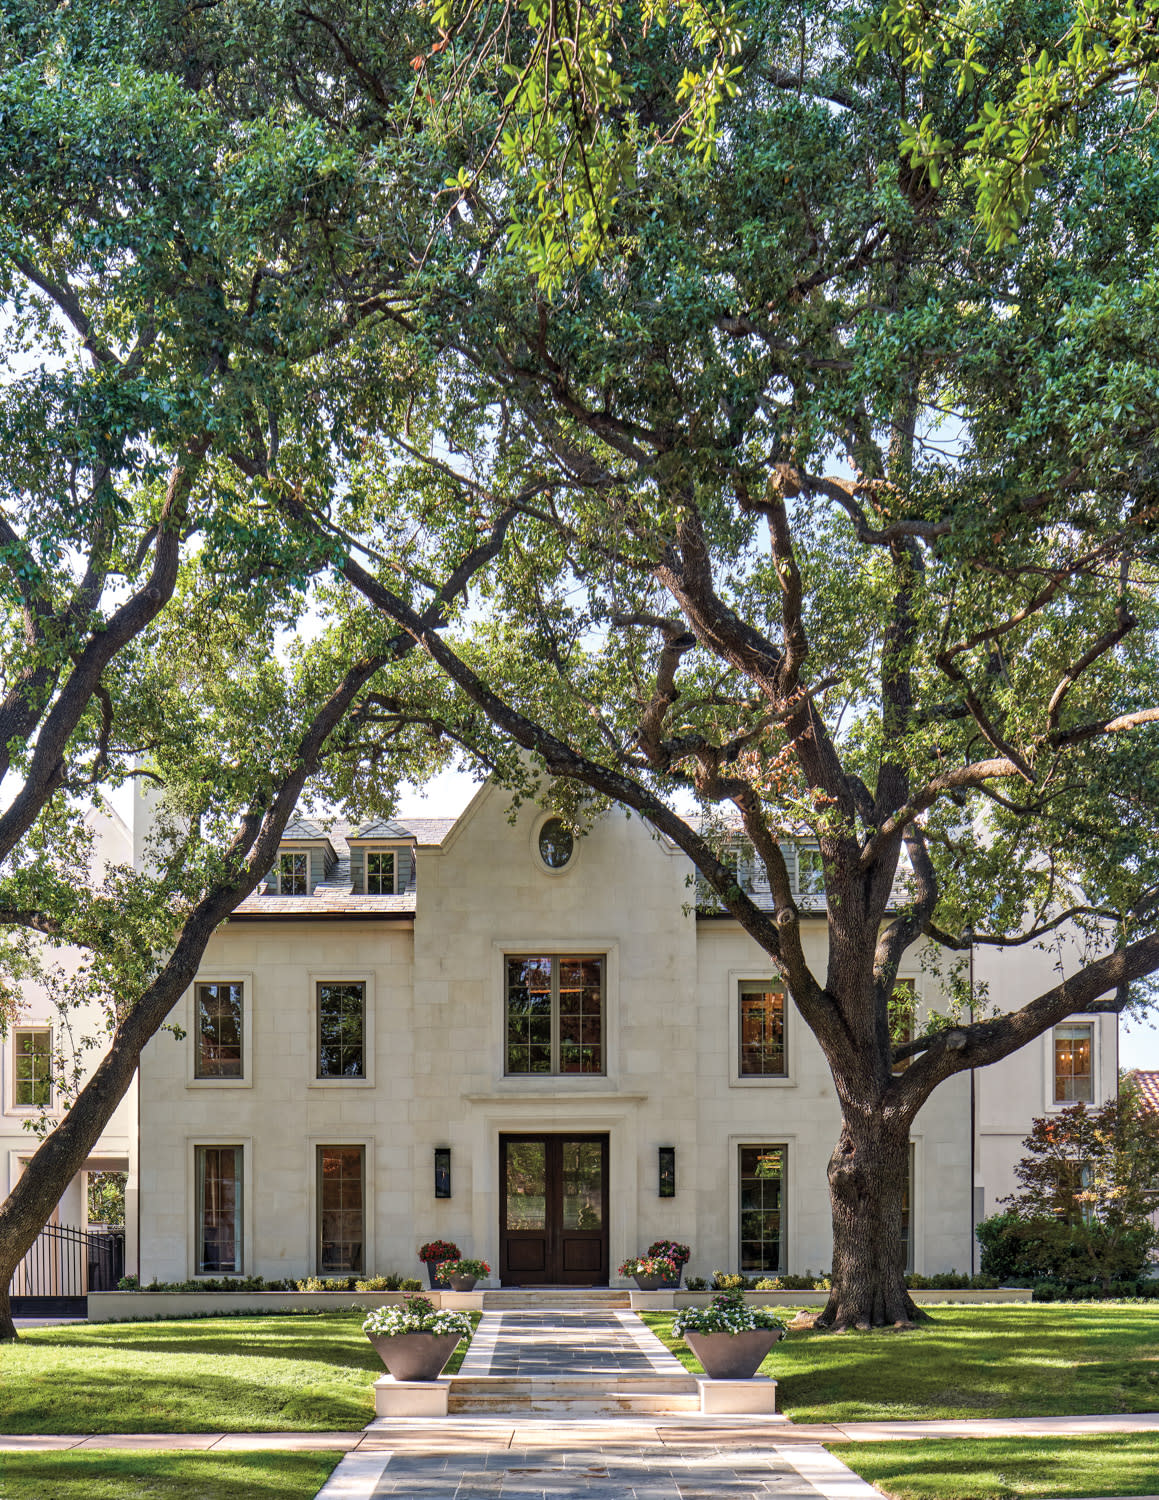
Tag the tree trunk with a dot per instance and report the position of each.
(7, 1326)
(867, 1181)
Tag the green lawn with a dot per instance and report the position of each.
(106, 1474)
(992, 1469)
(301, 1373)
(1027, 1361)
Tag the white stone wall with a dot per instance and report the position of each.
(436, 997)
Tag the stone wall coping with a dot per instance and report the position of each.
(116, 1307)
(668, 1301)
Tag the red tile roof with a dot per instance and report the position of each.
(1147, 1083)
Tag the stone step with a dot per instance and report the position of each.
(555, 1299)
(577, 1393)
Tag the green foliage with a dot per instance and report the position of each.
(106, 1197)
(1038, 1249)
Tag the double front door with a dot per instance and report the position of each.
(553, 1212)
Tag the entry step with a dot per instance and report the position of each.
(556, 1299)
(481, 1394)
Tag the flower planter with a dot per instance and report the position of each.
(463, 1283)
(731, 1356)
(649, 1283)
(672, 1283)
(414, 1356)
(433, 1275)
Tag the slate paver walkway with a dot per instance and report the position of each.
(539, 1345)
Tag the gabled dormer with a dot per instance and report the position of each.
(382, 859)
(802, 862)
(305, 859)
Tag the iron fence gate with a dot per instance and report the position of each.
(64, 1265)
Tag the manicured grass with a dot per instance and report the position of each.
(992, 1469)
(106, 1474)
(1027, 1361)
(300, 1373)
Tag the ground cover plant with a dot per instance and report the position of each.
(113, 1475)
(968, 1362)
(302, 1372)
(991, 1469)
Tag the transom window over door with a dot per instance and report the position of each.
(219, 1031)
(762, 1030)
(762, 1208)
(341, 1209)
(1073, 1072)
(341, 1030)
(555, 1014)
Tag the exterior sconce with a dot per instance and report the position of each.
(667, 1178)
(442, 1171)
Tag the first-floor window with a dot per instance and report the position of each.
(341, 1030)
(341, 1209)
(1073, 1073)
(762, 1208)
(762, 1030)
(33, 1070)
(219, 1030)
(219, 1219)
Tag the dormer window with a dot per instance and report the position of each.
(293, 875)
(381, 872)
(810, 872)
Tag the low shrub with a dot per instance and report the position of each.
(696, 1284)
(1039, 1248)
(390, 1283)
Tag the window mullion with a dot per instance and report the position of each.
(555, 1014)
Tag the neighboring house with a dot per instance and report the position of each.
(26, 1081)
(482, 1030)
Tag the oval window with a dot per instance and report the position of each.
(556, 844)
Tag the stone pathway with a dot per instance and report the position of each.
(533, 1345)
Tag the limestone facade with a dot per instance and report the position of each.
(433, 966)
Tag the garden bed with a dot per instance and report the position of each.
(119, 1307)
(671, 1300)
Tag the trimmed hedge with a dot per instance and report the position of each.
(391, 1283)
(1038, 1250)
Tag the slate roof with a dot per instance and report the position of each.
(1147, 1082)
(381, 828)
(302, 829)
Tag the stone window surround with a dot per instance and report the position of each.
(25, 1111)
(570, 1083)
(537, 825)
(339, 1138)
(192, 1143)
(1082, 1018)
(731, 1174)
(364, 977)
(245, 978)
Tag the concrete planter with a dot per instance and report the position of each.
(414, 1356)
(463, 1283)
(731, 1356)
(433, 1277)
(649, 1283)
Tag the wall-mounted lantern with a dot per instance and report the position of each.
(442, 1171)
(667, 1178)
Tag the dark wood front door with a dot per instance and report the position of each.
(553, 1210)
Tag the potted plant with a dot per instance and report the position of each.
(432, 1254)
(414, 1341)
(650, 1271)
(728, 1338)
(463, 1273)
(671, 1250)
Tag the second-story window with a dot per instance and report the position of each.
(810, 872)
(341, 1030)
(293, 875)
(555, 1015)
(32, 1046)
(1073, 1071)
(219, 1031)
(762, 1030)
(380, 872)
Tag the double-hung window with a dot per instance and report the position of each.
(555, 1014)
(1073, 1063)
(219, 1023)
(381, 867)
(293, 874)
(219, 1209)
(341, 1029)
(810, 871)
(762, 1030)
(32, 1057)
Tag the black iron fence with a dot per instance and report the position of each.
(67, 1262)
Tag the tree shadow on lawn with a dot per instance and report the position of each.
(102, 1473)
(302, 1341)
